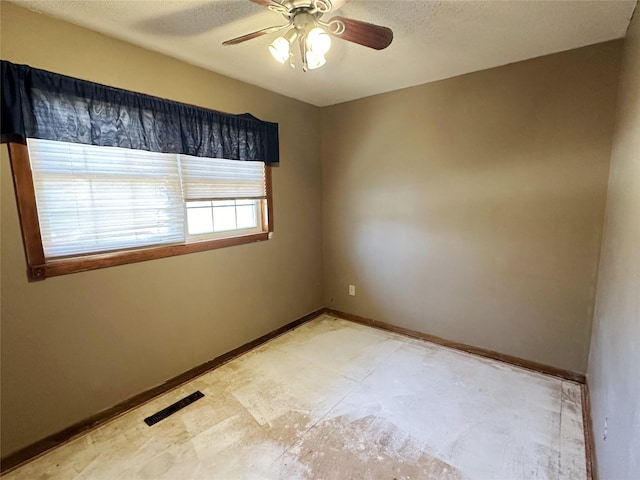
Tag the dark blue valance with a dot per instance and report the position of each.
(45, 105)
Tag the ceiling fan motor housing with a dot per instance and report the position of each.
(321, 6)
(302, 20)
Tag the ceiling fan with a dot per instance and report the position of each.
(312, 34)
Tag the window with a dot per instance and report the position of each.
(215, 218)
(117, 173)
(84, 207)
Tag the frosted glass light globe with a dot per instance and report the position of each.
(279, 48)
(319, 41)
(314, 60)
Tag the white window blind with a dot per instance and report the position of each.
(93, 199)
(214, 178)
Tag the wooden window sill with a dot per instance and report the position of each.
(65, 266)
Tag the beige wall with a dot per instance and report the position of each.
(614, 362)
(472, 208)
(76, 344)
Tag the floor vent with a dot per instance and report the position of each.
(171, 409)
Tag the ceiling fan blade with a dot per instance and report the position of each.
(252, 35)
(362, 33)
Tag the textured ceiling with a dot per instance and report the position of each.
(433, 39)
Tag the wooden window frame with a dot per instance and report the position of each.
(39, 268)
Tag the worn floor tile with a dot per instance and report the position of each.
(337, 400)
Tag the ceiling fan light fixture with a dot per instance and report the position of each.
(314, 60)
(318, 41)
(279, 48)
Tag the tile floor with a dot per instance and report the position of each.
(337, 400)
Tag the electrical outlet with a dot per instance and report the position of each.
(604, 434)
(352, 290)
